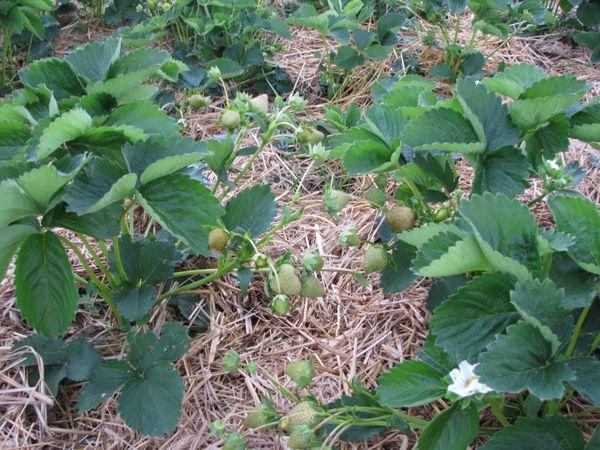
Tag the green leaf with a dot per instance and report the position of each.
(442, 258)
(150, 402)
(16, 204)
(252, 210)
(42, 183)
(515, 80)
(45, 286)
(143, 115)
(135, 302)
(13, 137)
(138, 60)
(398, 275)
(529, 113)
(523, 359)
(442, 129)
(586, 381)
(586, 123)
(63, 129)
(468, 320)
(104, 382)
(411, 383)
(125, 88)
(56, 74)
(419, 235)
(11, 238)
(347, 58)
(183, 206)
(575, 215)
(502, 171)
(542, 304)
(452, 429)
(365, 156)
(144, 261)
(508, 238)
(579, 285)
(103, 224)
(94, 59)
(534, 433)
(488, 115)
(162, 155)
(228, 67)
(562, 85)
(101, 183)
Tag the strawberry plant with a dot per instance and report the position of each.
(15, 17)
(513, 335)
(84, 148)
(222, 34)
(358, 45)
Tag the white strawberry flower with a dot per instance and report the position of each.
(465, 382)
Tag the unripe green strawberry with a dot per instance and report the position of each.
(280, 305)
(151, 5)
(301, 372)
(264, 414)
(304, 413)
(302, 437)
(261, 261)
(334, 201)
(286, 282)
(261, 103)
(400, 218)
(315, 137)
(218, 428)
(312, 260)
(234, 441)
(442, 214)
(198, 101)
(349, 237)
(231, 119)
(376, 197)
(376, 258)
(311, 287)
(304, 136)
(218, 239)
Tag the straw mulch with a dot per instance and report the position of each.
(353, 332)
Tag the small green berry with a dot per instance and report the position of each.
(376, 259)
(301, 372)
(234, 441)
(311, 287)
(198, 101)
(231, 119)
(218, 239)
(312, 260)
(280, 305)
(400, 218)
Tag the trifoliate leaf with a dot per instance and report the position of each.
(523, 358)
(468, 320)
(148, 349)
(411, 383)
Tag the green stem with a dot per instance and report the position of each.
(576, 332)
(537, 199)
(96, 258)
(191, 286)
(497, 411)
(119, 261)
